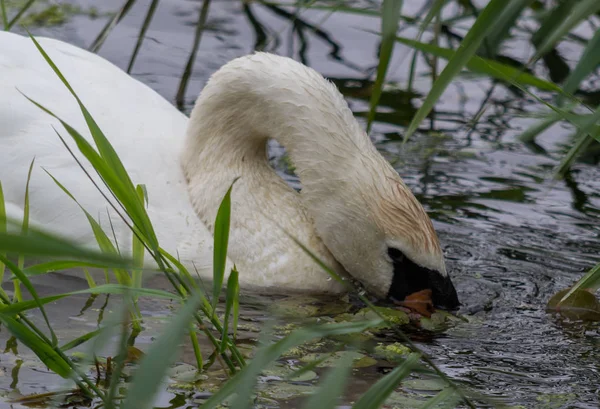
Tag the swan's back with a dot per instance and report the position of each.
(146, 131)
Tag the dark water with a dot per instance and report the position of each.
(512, 235)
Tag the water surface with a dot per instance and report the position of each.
(512, 235)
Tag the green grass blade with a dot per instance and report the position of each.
(80, 340)
(591, 280)
(123, 289)
(332, 387)
(137, 245)
(45, 245)
(162, 353)
(189, 66)
(121, 356)
(116, 289)
(376, 396)
(447, 398)
(583, 138)
(502, 26)
(21, 306)
(101, 237)
(21, 277)
(114, 173)
(267, 354)
(235, 310)
(434, 10)
(588, 62)
(196, 347)
(142, 33)
(90, 280)
(24, 228)
(551, 20)
(469, 45)
(4, 15)
(180, 268)
(581, 10)
(389, 25)
(485, 66)
(57, 265)
(232, 297)
(116, 18)
(221, 240)
(533, 131)
(47, 355)
(19, 14)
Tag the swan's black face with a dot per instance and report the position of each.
(409, 278)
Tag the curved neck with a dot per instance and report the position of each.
(261, 97)
(254, 99)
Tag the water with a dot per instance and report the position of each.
(512, 235)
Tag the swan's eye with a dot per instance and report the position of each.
(396, 255)
(410, 277)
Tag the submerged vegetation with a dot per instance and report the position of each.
(455, 38)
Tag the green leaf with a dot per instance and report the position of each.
(90, 280)
(550, 20)
(485, 66)
(22, 278)
(221, 241)
(153, 367)
(534, 130)
(434, 10)
(233, 289)
(24, 228)
(137, 245)
(588, 62)
(18, 307)
(4, 15)
(52, 266)
(19, 14)
(580, 11)
(447, 397)
(45, 245)
(106, 162)
(468, 46)
(389, 26)
(189, 66)
(142, 33)
(100, 235)
(591, 280)
(377, 394)
(502, 26)
(196, 347)
(584, 136)
(116, 18)
(80, 340)
(332, 387)
(47, 355)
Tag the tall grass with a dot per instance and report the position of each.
(478, 52)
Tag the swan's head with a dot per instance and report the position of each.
(368, 219)
(412, 250)
(376, 228)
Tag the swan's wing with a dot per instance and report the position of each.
(146, 131)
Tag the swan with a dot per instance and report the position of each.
(353, 210)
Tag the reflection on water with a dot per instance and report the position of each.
(512, 236)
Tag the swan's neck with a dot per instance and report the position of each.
(252, 100)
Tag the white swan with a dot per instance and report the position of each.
(354, 211)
